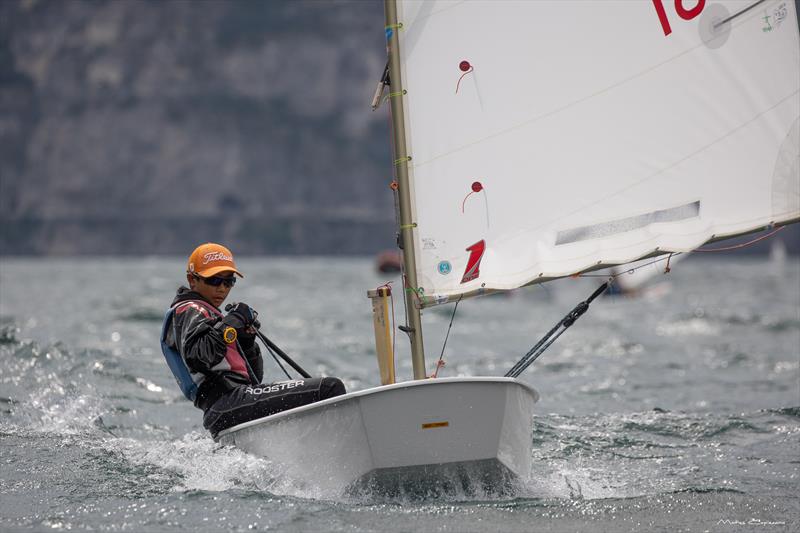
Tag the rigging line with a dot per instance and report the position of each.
(630, 270)
(667, 269)
(743, 245)
(440, 363)
(251, 374)
(742, 12)
(277, 360)
(673, 254)
(566, 106)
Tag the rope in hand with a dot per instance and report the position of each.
(440, 363)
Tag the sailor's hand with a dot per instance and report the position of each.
(243, 322)
(247, 337)
(241, 313)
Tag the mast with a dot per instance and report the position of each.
(401, 165)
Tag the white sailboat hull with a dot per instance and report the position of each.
(406, 429)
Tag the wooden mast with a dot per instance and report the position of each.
(401, 164)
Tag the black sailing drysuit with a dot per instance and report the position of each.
(226, 378)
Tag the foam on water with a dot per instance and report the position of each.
(585, 457)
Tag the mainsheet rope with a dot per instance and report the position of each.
(276, 359)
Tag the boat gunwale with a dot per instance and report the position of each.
(376, 390)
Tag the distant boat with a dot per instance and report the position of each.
(389, 261)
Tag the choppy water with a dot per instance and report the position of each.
(676, 413)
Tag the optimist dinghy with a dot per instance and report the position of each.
(534, 141)
(375, 437)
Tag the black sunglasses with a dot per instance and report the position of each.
(216, 281)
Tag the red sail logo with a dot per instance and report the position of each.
(474, 261)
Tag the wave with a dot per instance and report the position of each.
(129, 423)
(8, 334)
(785, 411)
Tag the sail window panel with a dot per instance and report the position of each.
(614, 227)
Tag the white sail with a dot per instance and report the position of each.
(549, 137)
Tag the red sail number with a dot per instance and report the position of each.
(680, 9)
(474, 262)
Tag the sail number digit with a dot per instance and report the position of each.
(680, 9)
(474, 262)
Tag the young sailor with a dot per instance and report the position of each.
(215, 358)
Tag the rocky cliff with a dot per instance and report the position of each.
(149, 126)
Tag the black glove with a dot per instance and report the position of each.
(246, 339)
(242, 318)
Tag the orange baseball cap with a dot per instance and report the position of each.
(210, 259)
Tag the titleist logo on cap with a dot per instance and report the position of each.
(216, 256)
